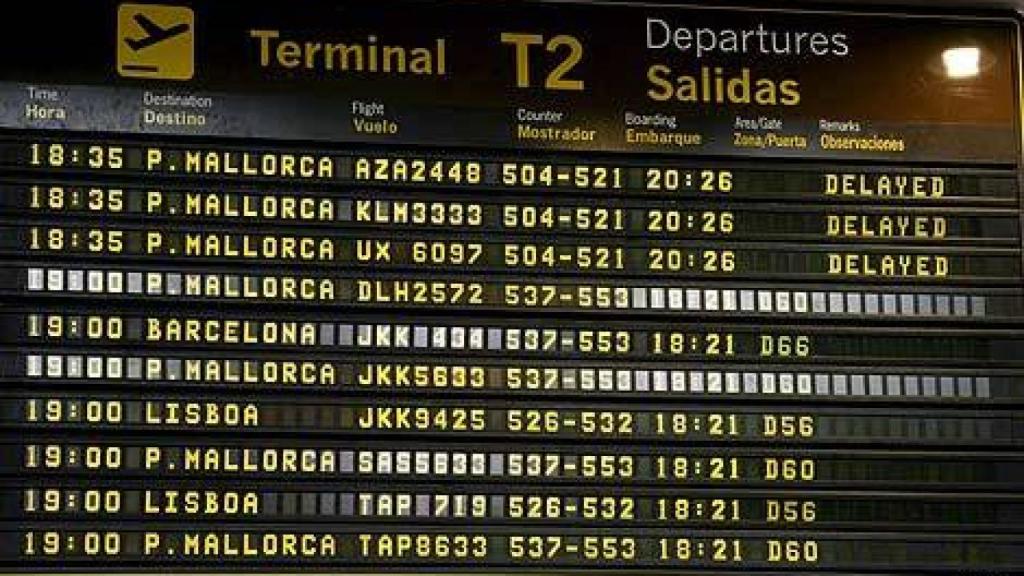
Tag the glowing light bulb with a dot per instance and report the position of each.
(962, 61)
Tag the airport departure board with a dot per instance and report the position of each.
(510, 287)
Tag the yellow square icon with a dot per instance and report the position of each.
(155, 41)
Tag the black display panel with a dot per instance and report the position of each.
(520, 287)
